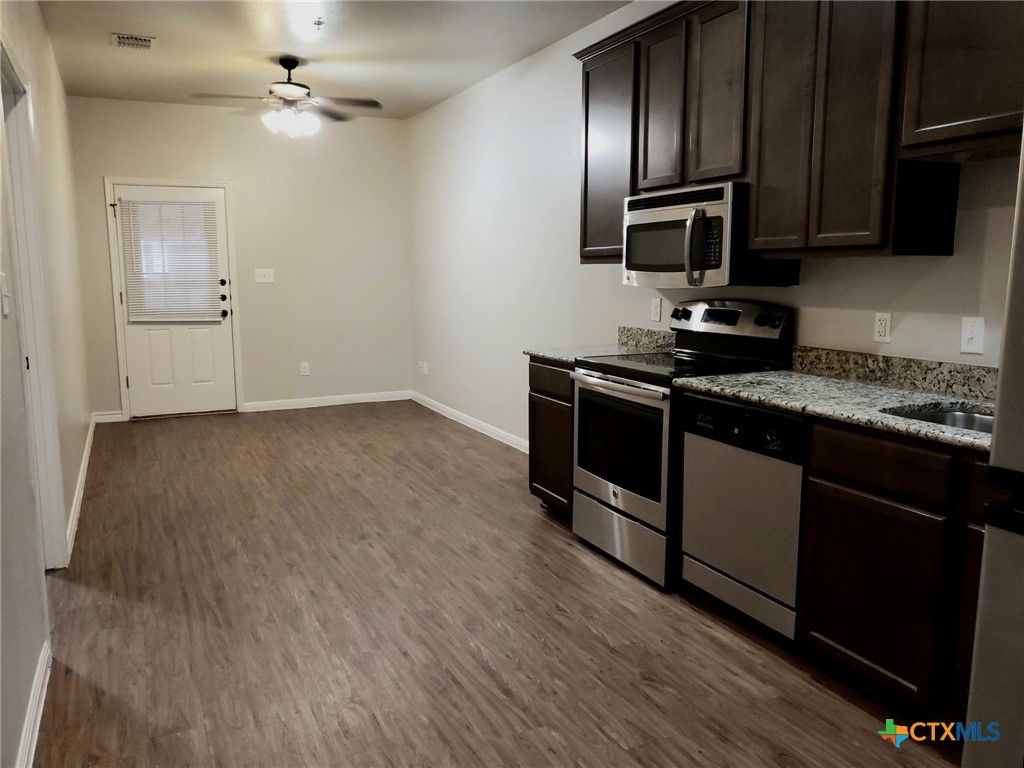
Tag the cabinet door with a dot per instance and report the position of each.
(551, 451)
(782, 63)
(662, 83)
(852, 108)
(871, 586)
(967, 614)
(965, 70)
(716, 91)
(608, 132)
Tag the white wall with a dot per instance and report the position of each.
(29, 47)
(497, 196)
(23, 623)
(23, 618)
(328, 214)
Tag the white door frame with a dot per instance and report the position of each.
(40, 389)
(117, 281)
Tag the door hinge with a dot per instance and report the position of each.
(121, 294)
(28, 366)
(114, 207)
(126, 384)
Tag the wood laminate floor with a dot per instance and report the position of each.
(372, 585)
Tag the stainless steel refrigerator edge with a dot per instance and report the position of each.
(997, 679)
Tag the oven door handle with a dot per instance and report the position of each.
(611, 386)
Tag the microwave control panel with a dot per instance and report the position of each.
(711, 258)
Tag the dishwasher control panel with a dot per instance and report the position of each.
(749, 427)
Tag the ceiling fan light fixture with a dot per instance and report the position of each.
(288, 89)
(308, 123)
(272, 120)
(291, 122)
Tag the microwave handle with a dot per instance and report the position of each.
(695, 213)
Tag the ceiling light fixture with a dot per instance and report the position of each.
(291, 122)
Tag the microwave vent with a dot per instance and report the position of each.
(135, 42)
(685, 197)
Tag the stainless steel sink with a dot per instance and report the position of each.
(950, 417)
(979, 422)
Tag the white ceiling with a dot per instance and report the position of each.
(408, 55)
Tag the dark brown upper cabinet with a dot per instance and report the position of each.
(965, 70)
(662, 85)
(783, 49)
(716, 77)
(608, 140)
(852, 110)
(821, 107)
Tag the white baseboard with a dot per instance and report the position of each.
(319, 402)
(106, 417)
(480, 426)
(34, 712)
(76, 502)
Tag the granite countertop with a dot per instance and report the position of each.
(846, 401)
(569, 354)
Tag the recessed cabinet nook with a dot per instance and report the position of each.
(847, 122)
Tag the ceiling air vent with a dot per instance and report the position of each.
(138, 42)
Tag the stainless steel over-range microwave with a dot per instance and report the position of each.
(682, 238)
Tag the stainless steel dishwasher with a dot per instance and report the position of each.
(743, 472)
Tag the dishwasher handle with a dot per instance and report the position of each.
(611, 386)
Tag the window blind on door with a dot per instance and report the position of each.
(170, 261)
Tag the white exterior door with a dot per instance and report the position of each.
(175, 303)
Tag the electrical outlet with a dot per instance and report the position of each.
(656, 310)
(883, 327)
(303, 369)
(972, 335)
(264, 275)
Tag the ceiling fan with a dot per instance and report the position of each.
(294, 109)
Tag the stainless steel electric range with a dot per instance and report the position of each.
(624, 445)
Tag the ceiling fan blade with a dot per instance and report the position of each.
(343, 101)
(330, 114)
(226, 96)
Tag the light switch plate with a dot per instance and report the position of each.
(972, 335)
(264, 275)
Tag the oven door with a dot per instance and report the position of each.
(678, 247)
(621, 445)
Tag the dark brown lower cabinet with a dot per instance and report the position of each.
(871, 580)
(551, 431)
